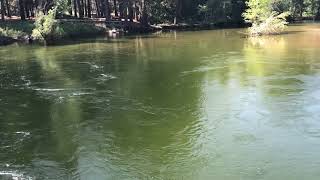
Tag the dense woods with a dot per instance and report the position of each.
(152, 11)
(266, 16)
(144, 11)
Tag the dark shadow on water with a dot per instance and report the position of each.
(304, 23)
(104, 39)
(89, 41)
(291, 32)
(143, 36)
(245, 35)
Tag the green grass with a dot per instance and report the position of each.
(16, 29)
(80, 29)
(19, 30)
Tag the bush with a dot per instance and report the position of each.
(23, 26)
(14, 34)
(46, 27)
(264, 19)
(76, 29)
(274, 24)
(16, 29)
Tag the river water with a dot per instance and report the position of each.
(179, 105)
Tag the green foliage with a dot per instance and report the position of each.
(24, 26)
(258, 11)
(274, 24)
(16, 29)
(312, 7)
(15, 34)
(161, 11)
(213, 10)
(263, 17)
(280, 6)
(61, 6)
(76, 29)
(46, 27)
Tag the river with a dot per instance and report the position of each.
(177, 105)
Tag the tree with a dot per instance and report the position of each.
(144, 15)
(237, 8)
(89, 8)
(75, 8)
(2, 9)
(178, 9)
(298, 7)
(106, 9)
(115, 7)
(22, 10)
(8, 9)
(80, 8)
(46, 27)
(263, 19)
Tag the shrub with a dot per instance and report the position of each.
(14, 34)
(47, 28)
(76, 29)
(274, 24)
(16, 29)
(264, 19)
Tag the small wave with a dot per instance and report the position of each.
(27, 82)
(80, 93)
(49, 90)
(23, 133)
(92, 65)
(203, 69)
(14, 175)
(62, 89)
(106, 77)
(232, 52)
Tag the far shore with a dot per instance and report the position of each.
(21, 30)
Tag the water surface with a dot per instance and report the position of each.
(186, 105)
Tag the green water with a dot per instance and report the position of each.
(186, 105)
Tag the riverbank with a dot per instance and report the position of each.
(12, 31)
(200, 26)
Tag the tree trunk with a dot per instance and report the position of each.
(89, 8)
(36, 4)
(121, 8)
(115, 8)
(75, 8)
(102, 8)
(98, 8)
(85, 7)
(80, 8)
(70, 7)
(144, 15)
(130, 9)
(26, 8)
(178, 11)
(3, 11)
(21, 10)
(106, 9)
(137, 11)
(8, 9)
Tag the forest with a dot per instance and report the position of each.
(153, 11)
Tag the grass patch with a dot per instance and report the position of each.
(21, 30)
(16, 29)
(80, 29)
